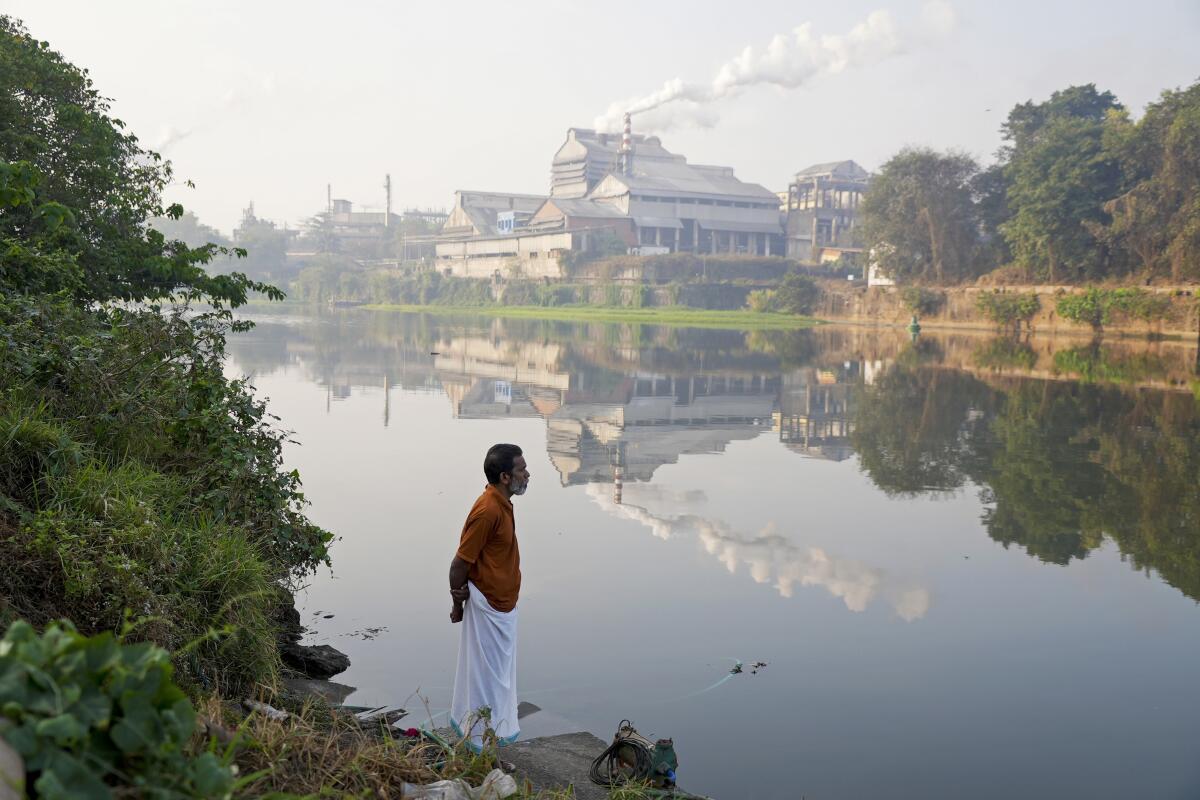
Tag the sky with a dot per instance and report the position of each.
(271, 101)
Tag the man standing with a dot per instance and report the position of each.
(485, 579)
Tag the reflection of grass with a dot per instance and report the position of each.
(1093, 365)
(666, 315)
(1004, 353)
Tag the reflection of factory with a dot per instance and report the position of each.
(609, 426)
(814, 412)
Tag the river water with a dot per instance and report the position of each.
(970, 565)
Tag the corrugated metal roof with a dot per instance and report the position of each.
(740, 227)
(657, 222)
(838, 169)
(677, 178)
(579, 207)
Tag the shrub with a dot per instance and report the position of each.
(920, 300)
(1008, 309)
(797, 294)
(1097, 307)
(134, 474)
(90, 714)
(761, 300)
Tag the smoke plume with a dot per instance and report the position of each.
(788, 62)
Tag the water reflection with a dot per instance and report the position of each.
(1067, 445)
(769, 557)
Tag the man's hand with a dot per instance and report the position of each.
(458, 578)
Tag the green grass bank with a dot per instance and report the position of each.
(679, 316)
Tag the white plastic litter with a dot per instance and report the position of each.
(496, 786)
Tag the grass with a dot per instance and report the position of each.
(317, 752)
(676, 316)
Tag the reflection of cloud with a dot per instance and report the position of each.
(769, 555)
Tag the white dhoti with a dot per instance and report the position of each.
(487, 673)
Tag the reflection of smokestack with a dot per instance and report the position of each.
(627, 145)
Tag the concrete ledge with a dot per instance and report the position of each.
(553, 762)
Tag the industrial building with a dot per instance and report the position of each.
(633, 188)
(821, 208)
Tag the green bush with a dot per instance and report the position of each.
(761, 300)
(797, 294)
(1008, 309)
(135, 475)
(95, 717)
(1098, 307)
(920, 300)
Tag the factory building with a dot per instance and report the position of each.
(631, 187)
(821, 208)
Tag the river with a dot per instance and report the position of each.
(971, 566)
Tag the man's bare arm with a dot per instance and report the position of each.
(458, 587)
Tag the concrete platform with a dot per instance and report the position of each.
(552, 762)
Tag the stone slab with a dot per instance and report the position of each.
(552, 762)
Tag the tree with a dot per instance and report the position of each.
(189, 230)
(1060, 176)
(52, 119)
(920, 217)
(265, 244)
(1156, 219)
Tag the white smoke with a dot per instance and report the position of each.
(769, 555)
(788, 62)
(243, 88)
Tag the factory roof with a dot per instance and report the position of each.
(604, 146)
(677, 177)
(846, 170)
(580, 207)
(478, 210)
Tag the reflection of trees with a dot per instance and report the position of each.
(1061, 464)
(1042, 480)
(913, 429)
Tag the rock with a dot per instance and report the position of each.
(270, 712)
(332, 693)
(315, 661)
(288, 620)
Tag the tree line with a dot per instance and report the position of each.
(1080, 191)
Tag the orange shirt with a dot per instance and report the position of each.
(489, 545)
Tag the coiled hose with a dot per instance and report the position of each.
(609, 769)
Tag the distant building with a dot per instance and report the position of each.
(587, 156)
(821, 208)
(692, 208)
(357, 227)
(628, 187)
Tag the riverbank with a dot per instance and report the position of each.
(959, 307)
(676, 316)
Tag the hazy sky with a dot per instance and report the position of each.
(269, 101)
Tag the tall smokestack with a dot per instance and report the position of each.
(329, 197)
(387, 215)
(627, 145)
